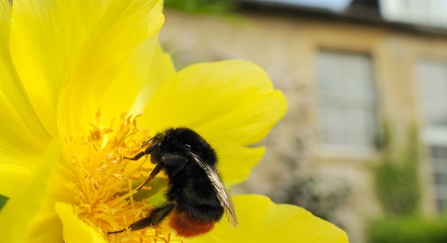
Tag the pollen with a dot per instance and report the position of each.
(104, 192)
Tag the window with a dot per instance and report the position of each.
(347, 101)
(432, 76)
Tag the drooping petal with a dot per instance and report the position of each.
(74, 229)
(263, 221)
(30, 200)
(231, 104)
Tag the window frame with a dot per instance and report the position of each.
(345, 150)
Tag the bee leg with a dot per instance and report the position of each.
(171, 159)
(149, 150)
(154, 172)
(136, 157)
(154, 218)
(116, 232)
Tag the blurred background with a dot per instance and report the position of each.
(364, 142)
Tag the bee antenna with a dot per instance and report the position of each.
(148, 141)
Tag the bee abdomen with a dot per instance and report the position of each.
(187, 226)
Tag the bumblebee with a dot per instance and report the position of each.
(196, 196)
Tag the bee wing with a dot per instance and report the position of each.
(224, 198)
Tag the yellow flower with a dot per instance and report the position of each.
(83, 84)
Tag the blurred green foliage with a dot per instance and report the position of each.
(321, 198)
(398, 187)
(396, 178)
(220, 9)
(408, 230)
(213, 7)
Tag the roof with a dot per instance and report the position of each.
(332, 5)
(424, 16)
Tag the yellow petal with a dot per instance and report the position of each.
(231, 104)
(141, 75)
(10, 85)
(236, 163)
(13, 178)
(45, 228)
(160, 69)
(112, 69)
(263, 221)
(52, 40)
(30, 200)
(19, 149)
(16, 140)
(74, 230)
(5, 15)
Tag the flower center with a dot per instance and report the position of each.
(104, 192)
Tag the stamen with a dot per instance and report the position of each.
(103, 192)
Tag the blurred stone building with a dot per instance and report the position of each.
(345, 68)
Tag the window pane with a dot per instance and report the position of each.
(432, 78)
(439, 160)
(441, 179)
(442, 204)
(347, 105)
(438, 152)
